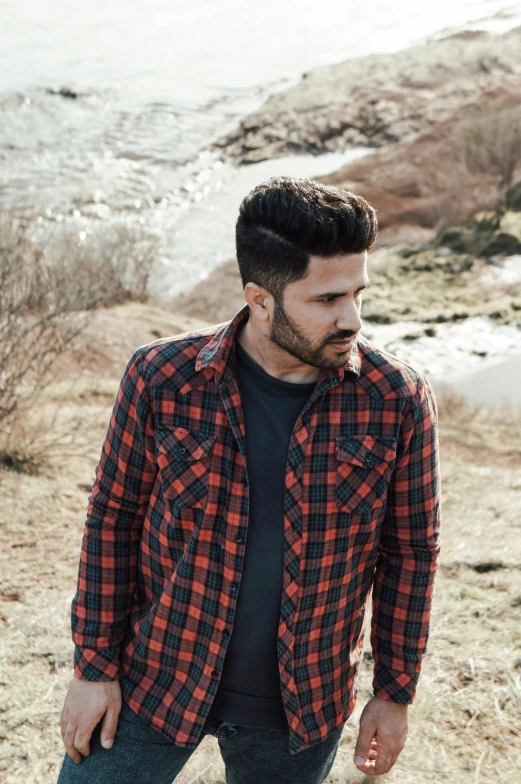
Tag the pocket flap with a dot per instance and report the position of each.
(366, 451)
(181, 444)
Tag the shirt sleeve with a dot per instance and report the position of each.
(408, 554)
(124, 478)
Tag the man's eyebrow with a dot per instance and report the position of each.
(341, 293)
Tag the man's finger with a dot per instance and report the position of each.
(386, 756)
(68, 741)
(109, 726)
(82, 738)
(364, 742)
(383, 763)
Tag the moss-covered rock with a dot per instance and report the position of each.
(487, 234)
(437, 284)
(514, 198)
(506, 241)
(471, 238)
(503, 244)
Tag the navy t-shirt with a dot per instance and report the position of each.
(249, 690)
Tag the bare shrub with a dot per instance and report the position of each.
(35, 322)
(106, 267)
(45, 298)
(491, 144)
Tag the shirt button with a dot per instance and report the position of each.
(244, 481)
(367, 458)
(226, 633)
(239, 539)
(182, 450)
(215, 674)
(235, 587)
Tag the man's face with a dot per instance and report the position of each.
(322, 308)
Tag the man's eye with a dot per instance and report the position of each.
(332, 299)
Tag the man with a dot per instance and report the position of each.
(257, 479)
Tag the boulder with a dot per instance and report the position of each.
(514, 198)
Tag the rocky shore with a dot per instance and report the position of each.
(380, 99)
(443, 118)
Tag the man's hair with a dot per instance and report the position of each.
(285, 220)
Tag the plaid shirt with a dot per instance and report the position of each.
(167, 527)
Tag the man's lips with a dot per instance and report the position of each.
(343, 344)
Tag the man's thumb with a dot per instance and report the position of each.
(363, 745)
(109, 727)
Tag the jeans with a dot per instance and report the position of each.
(142, 755)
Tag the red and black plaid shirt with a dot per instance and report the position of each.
(167, 529)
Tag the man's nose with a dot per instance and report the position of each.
(349, 319)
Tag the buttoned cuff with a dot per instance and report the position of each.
(102, 665)
(394, 685)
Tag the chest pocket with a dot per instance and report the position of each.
(364, 467)
(184, 463)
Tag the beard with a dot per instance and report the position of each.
(287, 335)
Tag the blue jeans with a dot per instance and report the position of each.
(142, 755)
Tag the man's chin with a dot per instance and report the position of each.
(332, 361)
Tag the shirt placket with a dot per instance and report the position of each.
(237, 520)
(293, 494)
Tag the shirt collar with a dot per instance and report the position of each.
(219, 355)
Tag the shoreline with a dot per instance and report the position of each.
(377, 100)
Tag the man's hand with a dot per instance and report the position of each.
(85, 704)
(382, 735)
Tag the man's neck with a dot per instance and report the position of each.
(275, 360)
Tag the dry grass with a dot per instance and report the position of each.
(465, 722)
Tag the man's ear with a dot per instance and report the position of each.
(259, 300)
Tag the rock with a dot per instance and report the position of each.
(503, 244)
(510, 223)
(513, 199)
(66, 92)
(386, 98)
(487, 220)
(487, 235)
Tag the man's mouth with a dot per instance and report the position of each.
(343, 345)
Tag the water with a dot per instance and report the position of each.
(191, 52)
(207, 231)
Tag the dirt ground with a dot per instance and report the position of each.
(465, 723)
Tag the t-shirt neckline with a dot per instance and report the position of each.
(259, 371)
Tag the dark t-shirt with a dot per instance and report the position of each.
(249, 691)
